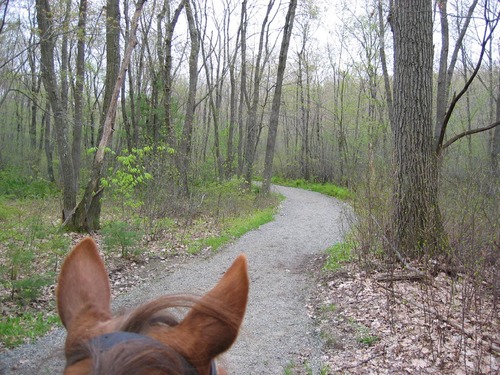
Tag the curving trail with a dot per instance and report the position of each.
(277, 329)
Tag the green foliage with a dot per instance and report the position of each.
(15, 330)
(326, 188)
(233, 229)
(30, 288)
(129, 176)
(341, 252)
(13, 184)
(6, 211)
(118, 235)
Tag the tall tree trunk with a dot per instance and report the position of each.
(252, 127)
(167, 72)
(243, 86)
(48, 147)
(275, 109)
(495, 142)
(383, 62)
(187, 131)
(229, 167)
(417, 226)
(79, 86)
(47, 43)
(446, 69)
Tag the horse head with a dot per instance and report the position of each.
(149, 339)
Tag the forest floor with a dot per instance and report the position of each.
(371, 325)
(303, 320)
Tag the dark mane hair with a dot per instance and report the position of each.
(145, 354)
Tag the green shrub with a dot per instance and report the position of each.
(29, 289)
(119, 236)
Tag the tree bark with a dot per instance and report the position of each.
(187, 131)
(416, 220)
(275, 109)
(79, 86)
(47, 43)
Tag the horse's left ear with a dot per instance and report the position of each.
(83, 289)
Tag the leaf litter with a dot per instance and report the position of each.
(438, 325)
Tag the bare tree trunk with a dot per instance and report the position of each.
(383, 61)
(80, 77)
(446, 70)
(252, 128)
(244, 102)
(167, 72)
(495, 142)
(187, 131)
(47, 43)
(48, 147)
(275, 109)
(417, 226)
(229, 167)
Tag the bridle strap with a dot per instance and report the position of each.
(107, 341)
(213, 368)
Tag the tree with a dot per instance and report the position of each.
(275, 109)
(252, 123)
(187, 131)
(47, 45)
(416, 219)
(85, 216)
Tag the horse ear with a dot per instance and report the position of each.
(83, 286)
(212, 325)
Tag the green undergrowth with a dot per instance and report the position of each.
(326, 188)
(338, 254)
(14, 185)
(233, 229)
(25, 327)
(33, 246)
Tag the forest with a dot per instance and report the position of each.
(131, 118)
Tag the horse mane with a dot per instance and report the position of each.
(136, 356)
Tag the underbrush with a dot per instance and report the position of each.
(32, 246)
(453, 298)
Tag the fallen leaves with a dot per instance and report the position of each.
(437, 325)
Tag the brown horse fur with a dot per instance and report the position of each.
(209, 328)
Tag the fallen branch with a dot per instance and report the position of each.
(376, 355)
(401, 277)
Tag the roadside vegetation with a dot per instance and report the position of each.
(32, 246)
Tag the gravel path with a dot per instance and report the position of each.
(277, 329)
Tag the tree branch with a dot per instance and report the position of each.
(487, 36)
(469, 132)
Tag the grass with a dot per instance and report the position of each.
(233, 229)
(26, 327)
(326, 188)
(341, 252)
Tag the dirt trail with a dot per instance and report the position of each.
(277, 330)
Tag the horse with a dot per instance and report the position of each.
(149, 339)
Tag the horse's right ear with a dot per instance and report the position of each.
(207, 332)
(83, 288)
